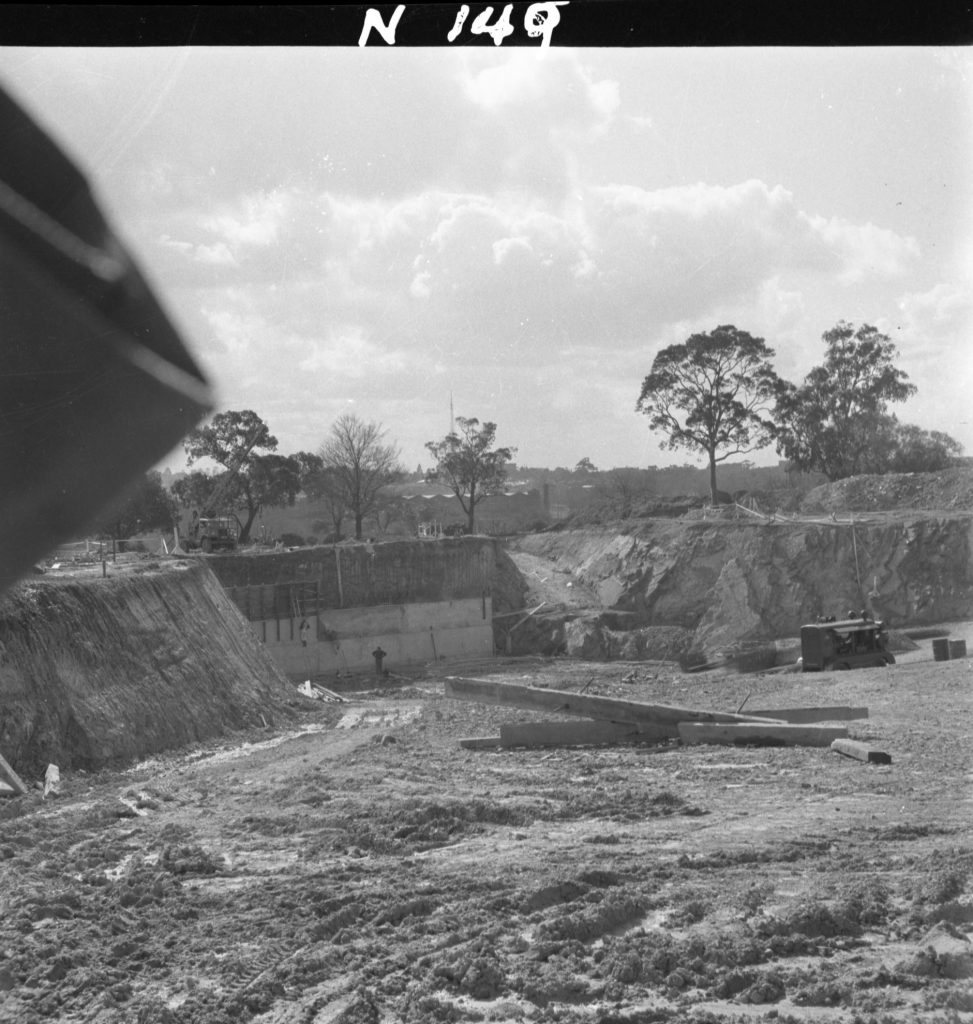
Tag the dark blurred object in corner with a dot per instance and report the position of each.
(95, 384)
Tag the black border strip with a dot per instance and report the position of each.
(601, 23)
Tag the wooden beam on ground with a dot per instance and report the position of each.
(861, 751)
(577, 733)
(481, 742)
(761, 734)
(11, 778)
(804, 716)
(664, 717)
(331, 695)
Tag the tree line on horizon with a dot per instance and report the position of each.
(716, 394)
(349, 475)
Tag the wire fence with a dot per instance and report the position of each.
(739, 512)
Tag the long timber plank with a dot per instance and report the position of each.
(577, 733)
(806, 716)
(565, 702)
(761, 734)
(11, 778)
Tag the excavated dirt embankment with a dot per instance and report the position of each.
(732, 581)
(105, 670)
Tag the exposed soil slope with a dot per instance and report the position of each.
(100, 670)
(749, 580)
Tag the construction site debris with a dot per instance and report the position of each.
(665, 718)
(755, 734)
(616, 721)
(315, 692)
(52, 780)
(480, 742)
(943, 952)
(947, 489)
(12, 781)
(804, 716)
(539, 734)
(861, 751)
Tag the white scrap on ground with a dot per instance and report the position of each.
(52, 780)
(307, 689)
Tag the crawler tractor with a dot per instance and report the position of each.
(844, 644)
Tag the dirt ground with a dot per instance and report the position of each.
(366, 868)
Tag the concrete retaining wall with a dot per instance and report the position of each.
(345, 639)
(419, 601)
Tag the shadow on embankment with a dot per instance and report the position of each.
(109, 670)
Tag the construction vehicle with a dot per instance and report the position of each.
(210, 530)
(844, 644)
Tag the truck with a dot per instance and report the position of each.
(844, 644)
(210, 532)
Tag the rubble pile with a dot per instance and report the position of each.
(950, 490)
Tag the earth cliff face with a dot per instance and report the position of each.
(94, 671)
(749, 580)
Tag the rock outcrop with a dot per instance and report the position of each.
(732, 581)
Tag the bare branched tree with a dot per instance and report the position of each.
(359, 463)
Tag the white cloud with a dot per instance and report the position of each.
(528, 117)
(347, 354)
(177, 246)
(254, 220)
(945, 308)
(555, 91)
(419, 288)
(479, 273)
(779, 308)
(508, 248)
(237, 332)
(864, 249)
(933, 332)
(217, 255)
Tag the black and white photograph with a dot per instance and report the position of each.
(488, 518)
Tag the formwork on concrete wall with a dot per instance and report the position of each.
(354, 575)
(326, 610)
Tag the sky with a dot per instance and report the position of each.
(383, 231)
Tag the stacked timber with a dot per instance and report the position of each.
(609, 720)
